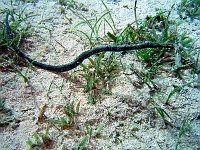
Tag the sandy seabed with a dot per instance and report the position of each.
(128, 119)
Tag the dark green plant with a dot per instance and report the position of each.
(89, 134)
(95, 25)
(186, 127)
(3, 108)
(155, 29)
(41, 140)
(163, 114)
(176, 90)
(99, 74)
(160, 29)
(41, 115)
(71, 112)
(113, 27)
(184, 50)
(190, 8)
(145, 76)
(5, 114)
(8, 59)
(68, 3)
(60, 87)
(61, 122)
(6, 121)
(19, 30)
